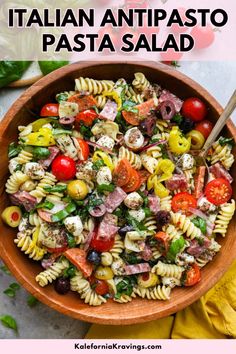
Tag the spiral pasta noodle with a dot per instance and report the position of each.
(125, 298)
(106, 258)
(154, 151)
(48, 180)
(140, 82)
(134, 96)
(28, 186)
(23, 157)
(149, 162)
(222, 154)
(15, 181)
(186, 225)
(25, 130)
(159, 292)
(34, 219)
(161, 125)
(118, 247)
(52, 273)
(168, 270)
(165, 203)
(151, 224)
(133, 158)
(66, 94)
(172, 232)
(95, 87)
(101, 101)
(223, 218)
(28, 246)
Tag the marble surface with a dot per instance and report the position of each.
(41, 321)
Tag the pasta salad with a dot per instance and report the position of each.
(107, 194)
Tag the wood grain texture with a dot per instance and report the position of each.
(23, 111)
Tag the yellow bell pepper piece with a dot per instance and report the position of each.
(37, 124)
(43, 137)
(114, 95)
(164, 170)
(177, 142)
(105, 157)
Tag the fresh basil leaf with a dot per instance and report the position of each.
(61, 97)
(178, 118)
(125, 286)
(105, 188)
(121, 121)
(9, 292)
(175, 247)
(164, 151)
(55, 189)
(32, 301)
(13, 150)
(139, 226)
(98, 164)
(40, 153)
(71, 240)
(45, 205)
(200, 223)
(9, 322)
(147, 212)
(49, 66)
(224, 141)
(12, 71)
(5, 270)
(14, 286)
(130, 258)
(85, 131)
(70, 272)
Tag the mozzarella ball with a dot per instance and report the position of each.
(34, 170)
(104, 175)
(170, 281)
(12, 165)
(106, 142)
(186, 162)
(74, 225)
(133, 201)
(138, 215)
(134, 139)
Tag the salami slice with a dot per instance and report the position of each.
(114, 199)
(137, 268)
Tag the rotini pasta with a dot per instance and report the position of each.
(168, 270)
(223, 218)
(165, 203)
(133, 158)
(151, 224)
(23, 157)
(95, 87)
(222, 154)
(15, 181)
(156, 293)
(52, 273)
(185, 224)
(140, 82)
(48, 180)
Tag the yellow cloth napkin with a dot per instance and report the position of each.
(213, 316)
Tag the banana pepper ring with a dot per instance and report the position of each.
(105, 157)
(114, 95)
(43, 137)
(177, 142)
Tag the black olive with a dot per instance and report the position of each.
(186, 125)
(163, 217)
(62, 285)
(122, 231)
(94, 257)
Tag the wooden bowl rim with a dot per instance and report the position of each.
(38, 292)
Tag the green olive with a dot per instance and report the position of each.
(77, 189)
(104, 273)
(147, 280)
(197, 139)
(12, 216)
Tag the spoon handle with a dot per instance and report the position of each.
(219, 125)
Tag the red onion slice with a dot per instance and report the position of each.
(144, 148)
(201, 215)
(167, 110)
(98, 211)
(100, 147)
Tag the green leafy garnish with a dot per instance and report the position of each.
(139, 226)
(125, 286)
(98, 164)
(14, 150)
(129, 107)
(9, 322)
(130, 258)
(175, 247)
(224, 141)
(5, 270)
(121, 121)
(12, 71)
(175, 64)
(59, 131)
(11, 291)
(62, 214)
(71, 240)
(85, 131)
(45, 205)
(40, 153)
(49, 66)
(32, 301)
(200, 223)
(61, 97)
(92, 202)
(70, 272)
(178, 119)
(145, 198)
(105, 188)
(55, 189)
(164, 151)
(147, 212)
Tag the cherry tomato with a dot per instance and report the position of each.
(134, 182)
(83, 149)
(101, 245)
(170, 56)
(203, 36)
(57, 250)
(87, 117)
(64, 168)
(175, 27)
(122, 173)
(50, 110)
(193, 275)
(100, 286)
(205, 127)
(163, 241)
(182, 201)
(218, 191)
(194, 109)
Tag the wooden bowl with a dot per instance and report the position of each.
(25, 270)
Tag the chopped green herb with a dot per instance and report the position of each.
(70, 272)
(164, 151)
(18, 168)
(178, 118)
(14, 150)
(71, 240)
(121, 121)
(96, 110)
(224, 141)
(175, 247)
(125, 286)
(147, 212)
(139, 226)
(56, 189)
(175, 64)
(45, 205)
(153, 140)
(97, 164)
(129, 106)
(105, 188)
(145, 198)
(9, 322)
(200, 223)
(130, 258)
(62, 97)
(32, 301)
(85, 131)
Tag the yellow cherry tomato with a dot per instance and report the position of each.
(115, 96)
(77, 189)
(148, 280)
(12, 216)
(98, 155)
(197, 139)
(43, 137)
(103, 273)
(178, 144)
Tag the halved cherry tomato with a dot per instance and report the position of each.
(182, 201)
(205, 127)
(50, 110)
(199, 181)
(122, 173)
(218, 191)
(193, 275)
(163, 241)
(77, 257)
(83, 149)
(101, 245)
(143, 110)
(84, 102)
(194, 109)
(57, 250)
(100, 286)
(86, 117)
(134, 182)
(64, 168)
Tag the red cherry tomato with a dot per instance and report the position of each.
(101, 287)
(203, 36)
(182, 201)
(193, 275)
(50, 110)
(57, 250)
(83, 149)
(86, 117)
(218, 191)
(194, 109)
(205, 127)
(170, 56)
(101, 245)
(134, 182)
(175, 27)
(122, 173)
(64, 168)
